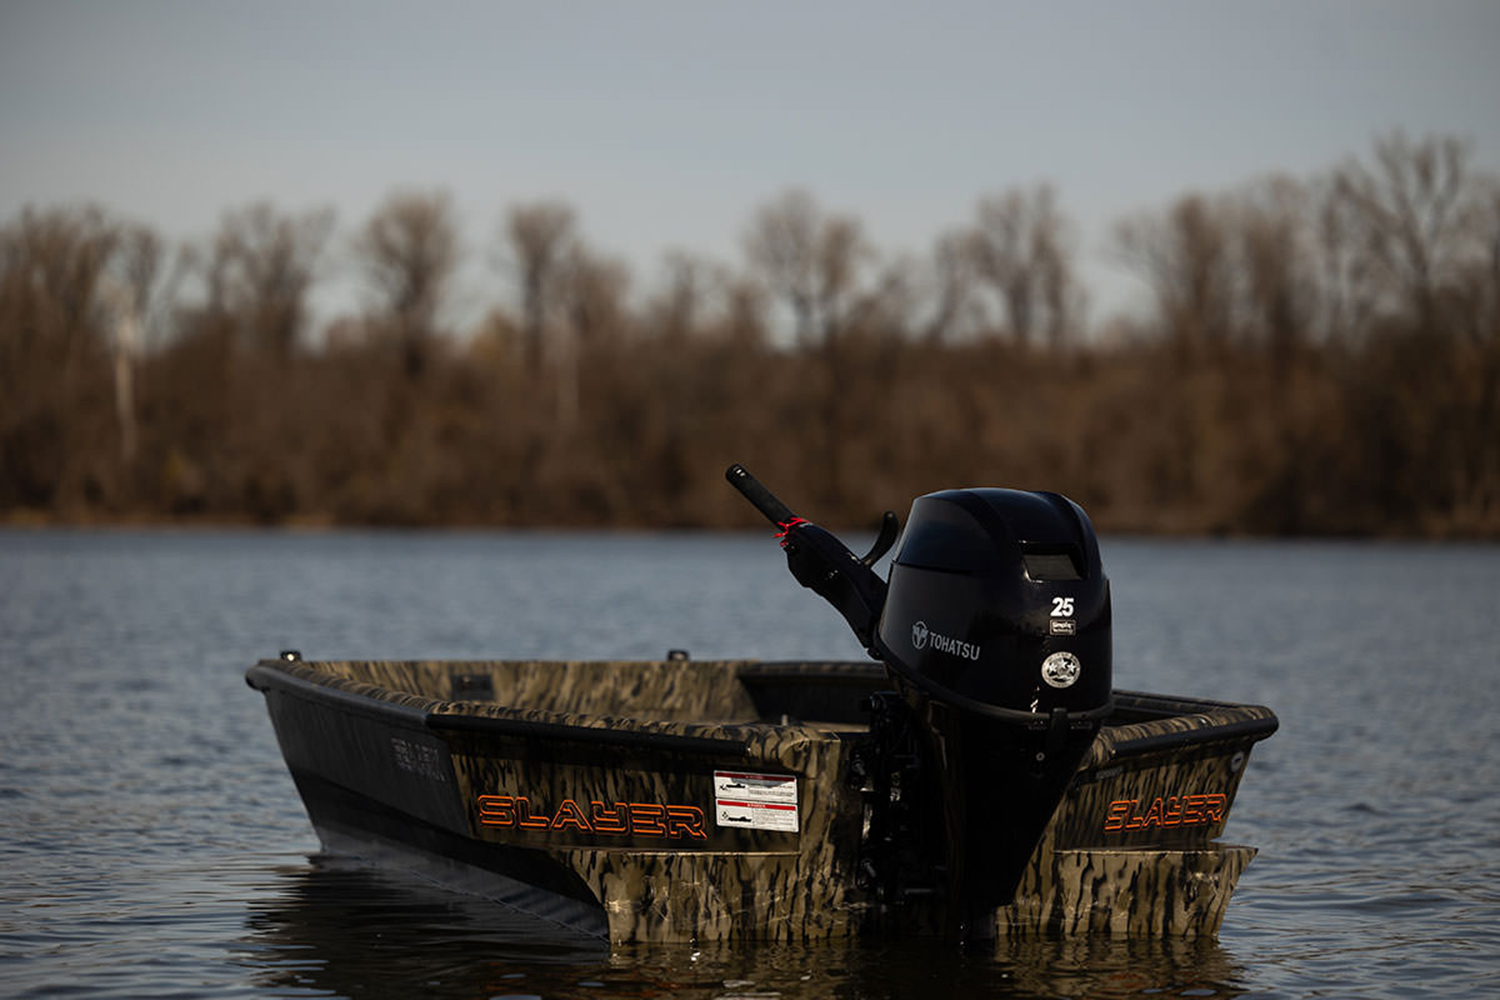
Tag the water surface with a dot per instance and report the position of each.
(152, 843)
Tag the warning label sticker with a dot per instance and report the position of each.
(756, 801)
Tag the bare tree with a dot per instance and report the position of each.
(810, 260)
(745, 308)
(1348, 289)
(55, 348)
(52, 262)
(596, 287)
(1186, 257)
(953, 279)
(1278, 260)
(676, 313)
(1411, 211)
(594, 293)
(1022, 248)
(120, 300)
(262, 267)
(129, 288)
(409, 252)
(541, 236)
(1481, 275)
(782, 245)
(842, 250)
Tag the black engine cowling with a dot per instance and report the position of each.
(998, 598)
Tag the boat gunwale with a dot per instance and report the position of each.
(1176, 723)
(728, 739)
(1172, 722)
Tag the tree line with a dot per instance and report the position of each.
(1321, 356)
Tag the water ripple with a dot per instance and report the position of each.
(152, 843)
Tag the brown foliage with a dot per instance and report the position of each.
(1323, 358)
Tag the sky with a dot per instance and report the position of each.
(667, 123)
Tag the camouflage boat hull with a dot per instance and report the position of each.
(689, 800)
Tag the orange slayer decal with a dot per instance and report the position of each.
(618, 819)
(1167, 812)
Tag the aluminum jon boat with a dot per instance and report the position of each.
(983, 780)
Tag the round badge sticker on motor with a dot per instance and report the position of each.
(1061, 669)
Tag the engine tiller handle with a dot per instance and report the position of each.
(819, 561)
(761, 498)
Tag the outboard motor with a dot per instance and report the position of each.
(995, 628)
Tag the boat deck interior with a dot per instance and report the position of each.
(826, 695)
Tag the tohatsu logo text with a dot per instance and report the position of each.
(922, 637)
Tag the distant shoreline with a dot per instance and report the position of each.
(1319, 362)
(31, 521)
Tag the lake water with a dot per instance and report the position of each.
(152, 843)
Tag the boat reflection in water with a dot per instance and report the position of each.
(339, 928)
(351, 930)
